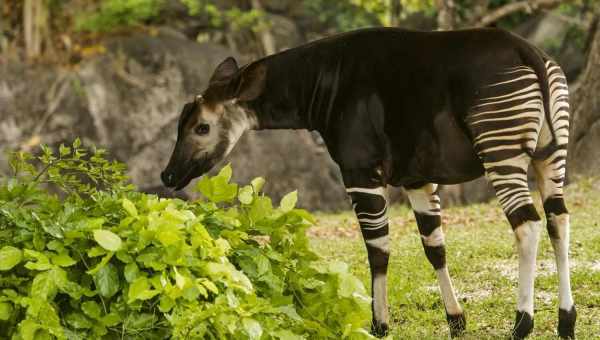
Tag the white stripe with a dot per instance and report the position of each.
(382, 243)
(383, 211)
(531, 87)
(529, 76)
(373, 191)
(435, 239)
(377, 221)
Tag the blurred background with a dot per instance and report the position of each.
(117, 72)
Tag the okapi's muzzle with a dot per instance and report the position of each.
(179, 173)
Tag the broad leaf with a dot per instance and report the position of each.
(107, 280)
(9, 257)
(288, 202)
(107, 239)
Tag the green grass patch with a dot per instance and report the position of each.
(483, 262)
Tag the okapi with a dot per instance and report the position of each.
(412, 109)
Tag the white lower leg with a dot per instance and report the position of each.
(380, 300)
(527, 236)
(447, 291)
(561, 252)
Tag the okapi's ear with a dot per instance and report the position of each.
(252, 82)
(225, 71)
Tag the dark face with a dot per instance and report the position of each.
(210, 126)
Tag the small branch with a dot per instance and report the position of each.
(526, 5)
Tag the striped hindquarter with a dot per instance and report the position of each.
(510, 131)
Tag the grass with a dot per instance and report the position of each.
(482, 261)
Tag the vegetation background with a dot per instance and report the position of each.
(117, 72)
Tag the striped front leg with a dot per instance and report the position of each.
(370, 205)
(426, 206)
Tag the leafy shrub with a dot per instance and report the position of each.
(98, 260)
(113, 14)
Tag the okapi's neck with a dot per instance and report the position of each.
(299, 92)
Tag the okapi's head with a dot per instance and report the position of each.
(210, 126)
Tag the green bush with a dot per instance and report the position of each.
(114, 14)
(83, 256)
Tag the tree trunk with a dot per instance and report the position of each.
(584, 154)
(395, 11)
(265, 35)
(446, 14)
(35, 26)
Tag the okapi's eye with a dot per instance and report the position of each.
(202, 129)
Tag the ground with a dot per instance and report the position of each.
(482, 261)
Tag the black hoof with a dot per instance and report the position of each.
(379, 330)
(523, 326)
(566, 323)
(457, 324)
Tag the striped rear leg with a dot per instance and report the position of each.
(370, 206)
(425, 203)
(505, 124)
(550, 178)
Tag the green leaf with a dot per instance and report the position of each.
(218, 189)
(107, 239)
(91, 309)
(260, 208)
(111, 319)
(131, 272)
(63, 260)
(107, 280)
(168, 237)
(257, 184)
(285, 334)
(130, 207)
(252, 328)
(42, 261)
(140, 290)
(43, 286)
(28, 329)
(288, 202)
(78, 321)
(9, 257)
(6, 310)
(246, 194)
(210, 286)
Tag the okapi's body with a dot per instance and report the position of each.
(412, 109)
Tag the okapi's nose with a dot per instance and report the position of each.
(167, 178)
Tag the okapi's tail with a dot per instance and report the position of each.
(555, 98)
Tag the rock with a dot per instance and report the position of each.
(285, 32)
